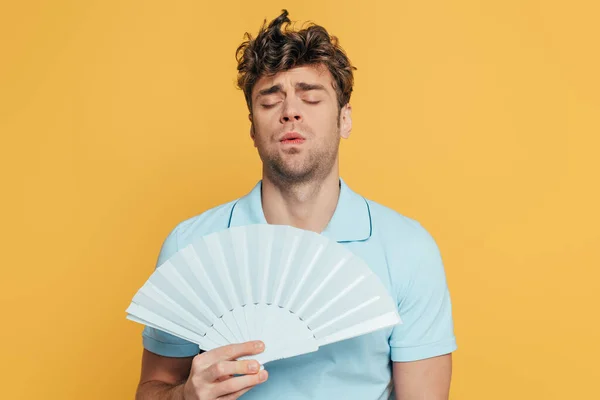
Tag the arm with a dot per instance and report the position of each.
(162, 378)
(422, 346)
(427, 379)
(207, 376)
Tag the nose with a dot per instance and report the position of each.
(290, 112)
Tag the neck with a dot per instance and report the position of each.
(307, 205)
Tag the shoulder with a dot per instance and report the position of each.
(190, 229)
(413, 258)
(204, 223)
(400, 231)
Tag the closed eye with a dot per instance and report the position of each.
(267, 106)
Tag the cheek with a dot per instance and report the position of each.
(325, 122)
(328, 114)
(262, 134)
(258, 128)
(265, 122)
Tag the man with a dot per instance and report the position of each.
(297, 85)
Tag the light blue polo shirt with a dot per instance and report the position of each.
(406, 259)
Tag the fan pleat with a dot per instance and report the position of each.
(294, 289)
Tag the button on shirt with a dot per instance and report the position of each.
(407, 261)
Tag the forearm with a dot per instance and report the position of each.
(156, 390)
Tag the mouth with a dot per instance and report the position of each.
(292, 138)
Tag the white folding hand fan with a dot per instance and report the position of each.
(293, 289)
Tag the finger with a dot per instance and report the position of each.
(224, 378)
(234, 396)
(223, 369)
(232, 352)
(239, 383)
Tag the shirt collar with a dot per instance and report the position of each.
(351, 221)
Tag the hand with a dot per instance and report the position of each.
(211, 373)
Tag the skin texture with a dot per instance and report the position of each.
(427, 379)
(300, 182)
(206, 376)
(300, 187)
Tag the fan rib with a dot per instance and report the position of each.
(177, 280)
(305, 276)
(214, 330)
(247, 281)
(323, 283)
(346, 314)
(146, 303)
(172, 306)
(331, 302)
(153, 320)
(203, 278)
(263, 297)
(247, 295)
(388, 319)
(286, 270)
(216, 251)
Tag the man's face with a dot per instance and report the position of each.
(296, 125)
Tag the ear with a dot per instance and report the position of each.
(346, 121)
(252, 133)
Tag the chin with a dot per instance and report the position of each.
(293, 174)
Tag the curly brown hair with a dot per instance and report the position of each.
(275, 49)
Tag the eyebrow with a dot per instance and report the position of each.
(300, 86)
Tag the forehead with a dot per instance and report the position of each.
(289, 78)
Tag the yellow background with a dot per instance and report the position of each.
(480, 119)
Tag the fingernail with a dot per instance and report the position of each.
(258, 345)
(262, 375)
(253, 367)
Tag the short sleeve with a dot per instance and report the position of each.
(160, 342)
(424, 305)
